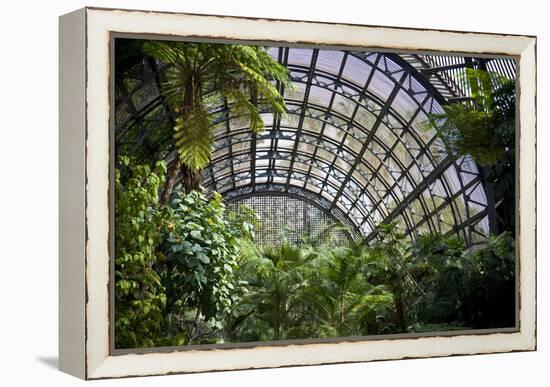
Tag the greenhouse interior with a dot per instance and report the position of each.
(310, 193)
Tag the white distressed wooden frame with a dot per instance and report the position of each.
(84, 192)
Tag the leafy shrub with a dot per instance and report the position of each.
(465, 288)
(200, 253)
(439, 265)
(306, 292)
(490, 285)
(434, 283)
(139, 294)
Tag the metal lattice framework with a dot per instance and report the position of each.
(353, 142)
(290, 218)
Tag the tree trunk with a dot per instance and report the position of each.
(170, 180)
(400, 314)
(190, 180)
(491, 200)
(195, 330)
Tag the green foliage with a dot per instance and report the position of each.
(483, 127)
(139, 294)
(194, 139)
(174, 265)
(305, 292)
(200, 250)
(502, 176)
(437, 281)
(189, 273)
(343, 297)
(201, 76)
(490, 284)
(439, 265)
(276, 278)
(465, 288)
(465, 132)
(389, 264)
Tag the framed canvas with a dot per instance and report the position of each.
(241, 193)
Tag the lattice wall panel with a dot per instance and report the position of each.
(283, 218)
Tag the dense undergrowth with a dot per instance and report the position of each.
(189, 272)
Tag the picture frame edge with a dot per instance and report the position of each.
(96, 360)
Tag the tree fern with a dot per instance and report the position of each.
(201, 77)
(193, 139)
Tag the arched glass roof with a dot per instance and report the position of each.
(353, 142)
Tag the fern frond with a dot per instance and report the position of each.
(465, 131)
(193, 139)
(166, 52)
(481, 85)
(241, 106)
(265, 88)
(484, 127)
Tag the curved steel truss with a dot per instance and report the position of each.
(353, 142)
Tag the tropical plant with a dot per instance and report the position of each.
(389, 263)
(341, 295)
(306, 292)
(139, 295)
(200, 252)
(490, 286)
(276, 277)
(201, 76)
(190, 273)
(440, 264)
(464, 289)
(484, 128)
